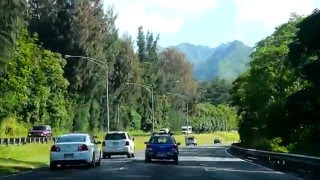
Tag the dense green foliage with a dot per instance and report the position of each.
(45, 84)
(278, 97)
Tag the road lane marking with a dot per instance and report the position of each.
(219, 159)
(16, 174)
(226, 151)
(131, 176)
(238, 170)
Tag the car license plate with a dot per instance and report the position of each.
(115, 143)
(162, 155)
(68, 156)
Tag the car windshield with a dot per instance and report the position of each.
(115, 136)
(39, 128)
(161, 140)
(71, 138)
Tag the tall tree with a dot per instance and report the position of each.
(12, 19)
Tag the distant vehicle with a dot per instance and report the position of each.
(118, 143)
(190, 140)
(164, 130)
(186, 129)
(162, 146)
(216, 141)
(75, 149)
(40, 131)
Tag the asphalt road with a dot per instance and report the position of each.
(202, 162)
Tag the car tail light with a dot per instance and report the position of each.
(103, 143)
(54, 148)
(127, 143)
(83, 147)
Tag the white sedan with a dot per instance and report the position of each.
(75, 149)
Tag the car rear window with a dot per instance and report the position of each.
(71, 138)
(115, 136)
(161, 140)
(190, 138)
(39, 128)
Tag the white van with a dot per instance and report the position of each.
(186, 129)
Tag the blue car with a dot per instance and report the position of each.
(162, 147)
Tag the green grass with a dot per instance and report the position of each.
(15, 159)
(25, 157)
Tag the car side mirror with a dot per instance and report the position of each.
(145, 142)
(132, 139)
(178, 144)
(98, 142)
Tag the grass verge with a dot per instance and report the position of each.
(14, 159)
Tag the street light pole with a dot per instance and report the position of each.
(151, 90)
(108, 118)
(103, 65)
(152, 106)
(187, 114)
(187, 106)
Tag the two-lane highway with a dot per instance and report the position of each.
(202, 162)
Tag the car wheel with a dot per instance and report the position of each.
(147, 160)
(93, 161)
(109, 156)
(104, 155)
(99, 162)
(53, 166)
(176, 160)
(129, 155)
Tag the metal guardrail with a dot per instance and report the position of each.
(286, 162)
(25, 140)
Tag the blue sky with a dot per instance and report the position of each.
(207, 22)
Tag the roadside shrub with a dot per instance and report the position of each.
(9, 127)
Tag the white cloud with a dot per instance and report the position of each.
(271, 12)
(158, 16)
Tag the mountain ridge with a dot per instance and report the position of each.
(226, 61)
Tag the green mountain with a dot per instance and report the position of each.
(196, 54)
(227, 61)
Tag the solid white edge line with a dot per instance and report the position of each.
(15, 174)
(226, 151)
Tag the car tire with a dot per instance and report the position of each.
(104, 156)
(109, 156)
(99, 162)
(129, 155)
(93, 162)
(132, 155)
(176, 160)
(147, 160)
(53, 166)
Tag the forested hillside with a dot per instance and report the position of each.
(278, 97)
(63, 63)
(227, 61)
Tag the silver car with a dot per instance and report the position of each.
(75, 149)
